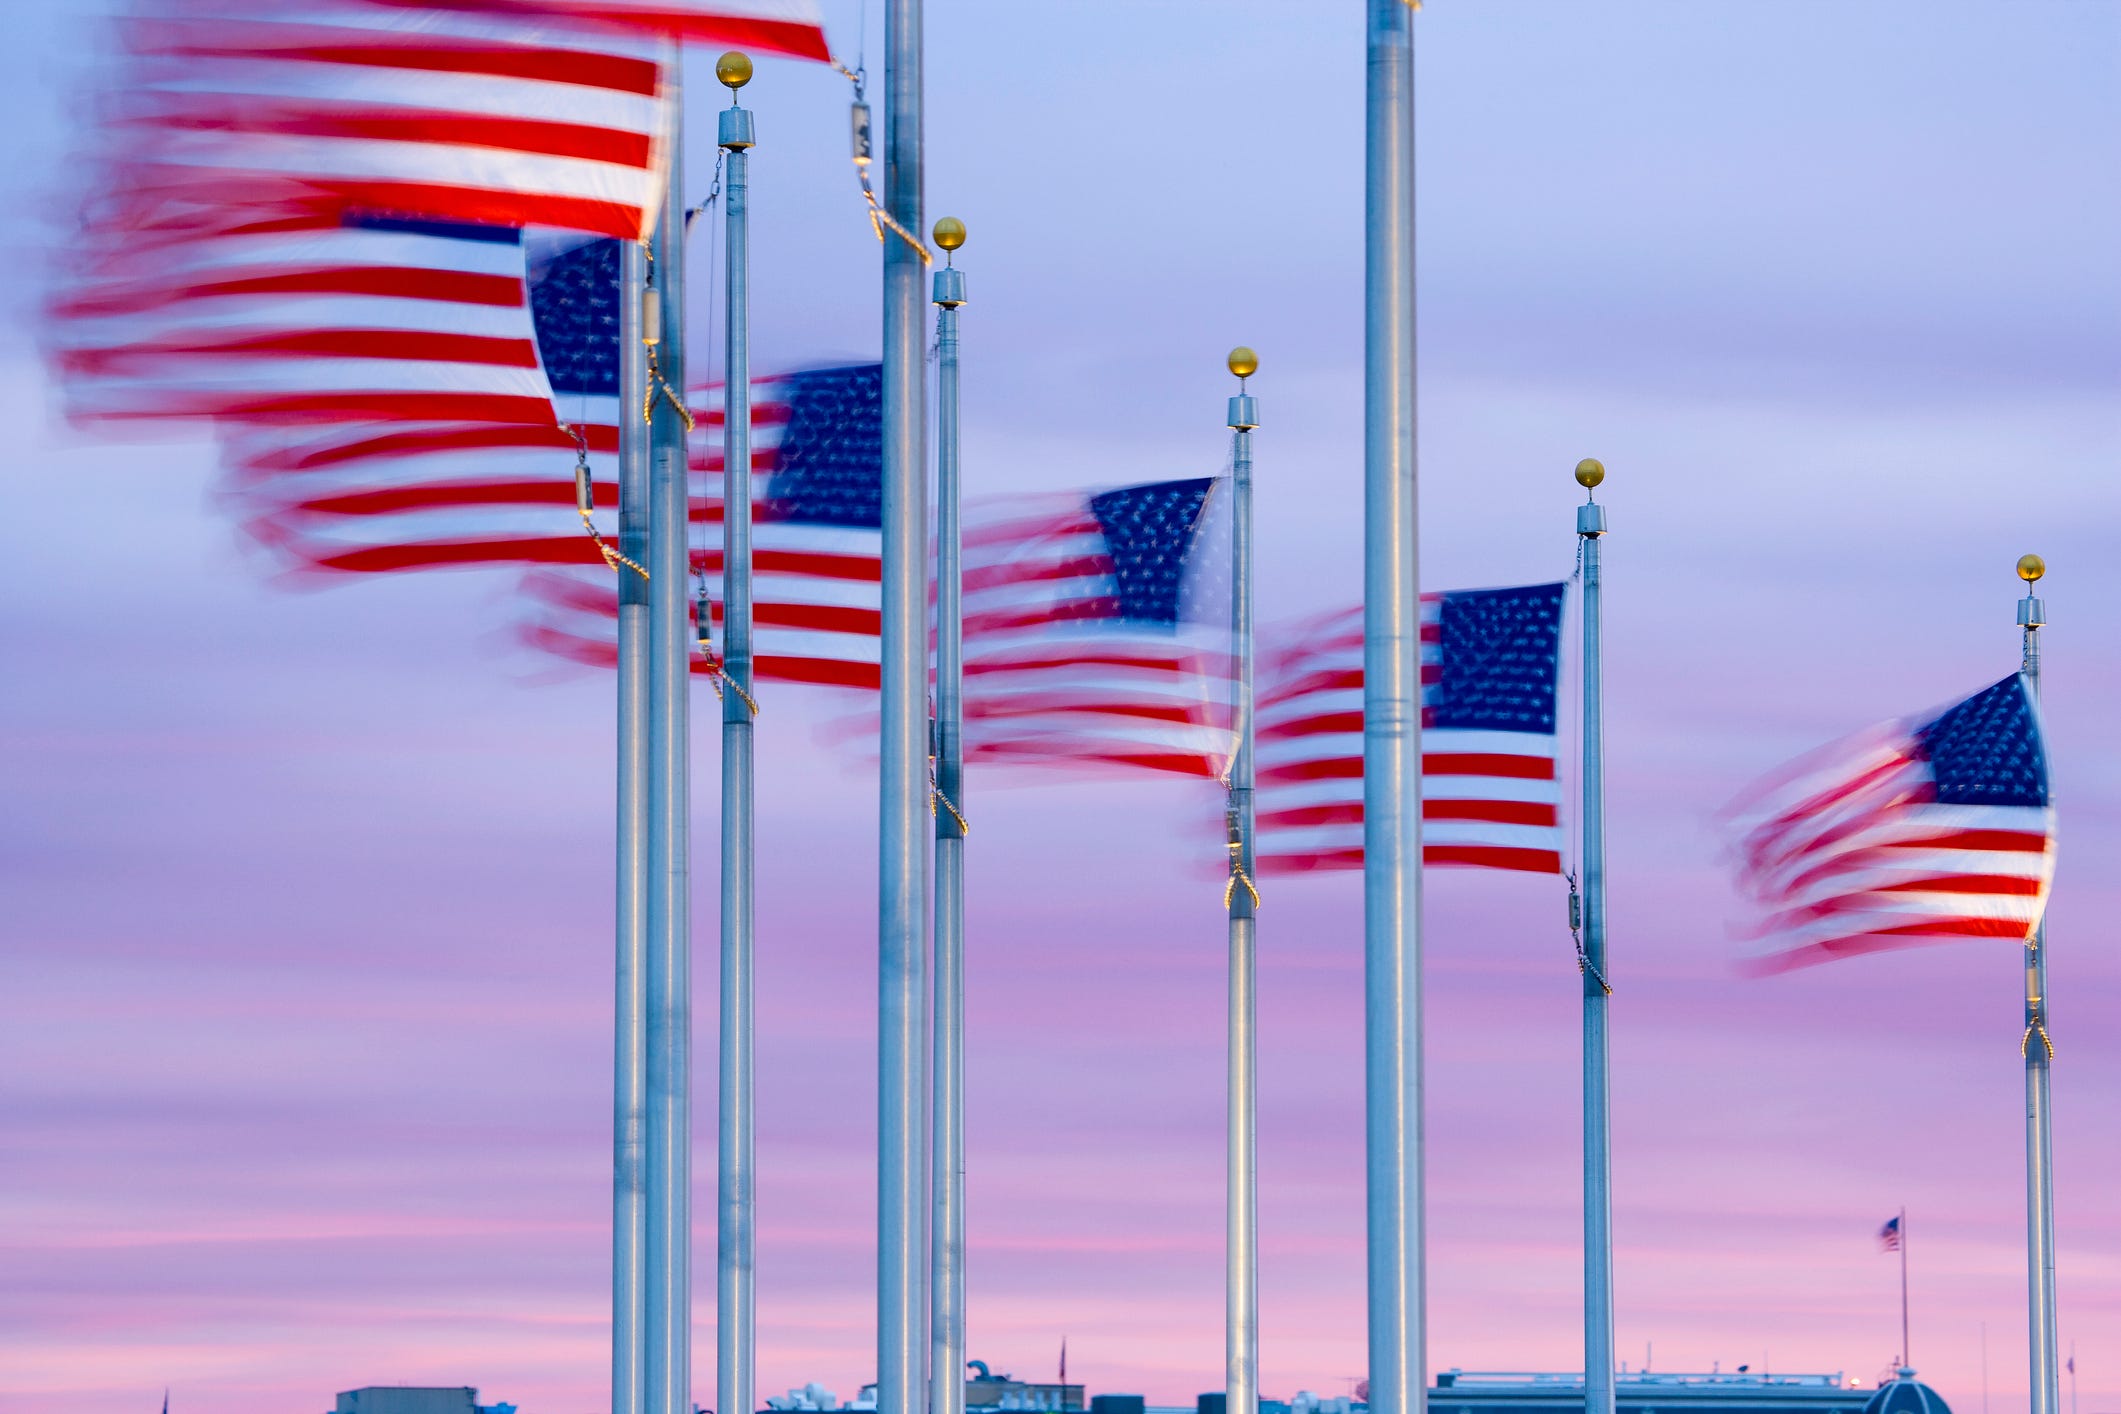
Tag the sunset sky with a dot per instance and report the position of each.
(305, 892)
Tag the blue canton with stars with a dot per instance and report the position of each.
(1987, 750)
(574, 307)
(1501, 660)
(829, 469)
(1149, 533)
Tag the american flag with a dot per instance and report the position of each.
(504, 119)
(1490, 665)
(421, 493)
(1921, 831)
(1079, 647)
(1889, 1235)
(817, 454)
(1083, 643)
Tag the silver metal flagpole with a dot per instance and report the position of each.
(2039, 1056)
(668, 1315)
(1241, 1292)
(629, 1210)
(735, 1323)
(1391, 730)
(1598, 1391)
(902, 1051)
(946, 1228)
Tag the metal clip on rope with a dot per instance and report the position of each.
(1237, 863)
(585, 505)
(1583, 959)
(879, 218)
(935, 795)
(658, 385)
(717, 673)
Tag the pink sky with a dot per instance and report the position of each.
(305, 1048)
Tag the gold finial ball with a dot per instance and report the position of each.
(2031, 567)
(733, 69)
(1589, 472)
(1243, 362)
(950, 233)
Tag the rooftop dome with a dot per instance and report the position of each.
(1906, 1395)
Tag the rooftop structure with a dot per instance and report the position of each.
(416, 1399)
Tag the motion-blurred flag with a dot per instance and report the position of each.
(1490, 667)
(437, 491)
(1081, 640)
(505, 119)
(790, 27)
(1889, 1235)
(1079, 647)
(817, 539)
(1921, 831)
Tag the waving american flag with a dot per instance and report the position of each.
(1921, 831)
(1079, 645)
(427, 492)
(497, 118)
(1490, 664)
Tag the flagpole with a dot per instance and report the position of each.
(629, 1210)
(946, 1336)
(1241, 1291)
(735, 1312)
(2039, 1056)
(1391, 730)
(1906, 1358)
(1598, 1391)
(668, 1316)
(902, 881)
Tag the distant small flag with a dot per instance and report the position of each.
(1921, 831)
(1889, 1235)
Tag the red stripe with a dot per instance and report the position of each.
(832, 672)
(1181, 763)
(441, 554)
(1885, 940)
(1320, 680)
(297, 408)
(1049, 706)
(1995, 884)
(826, 618)
(417, 443)
(852, 569)
(1349, 812)
(1329, 768)
(398, 345)
(429, 53)
(494, 208)
(1347, 723)
(2006, 841)
(1496, 812)
(391, 282)
(1488, 763)
(422, 496)
(1343, 812)
(1530, 861)
(1453, 763)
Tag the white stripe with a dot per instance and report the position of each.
(471, 94)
